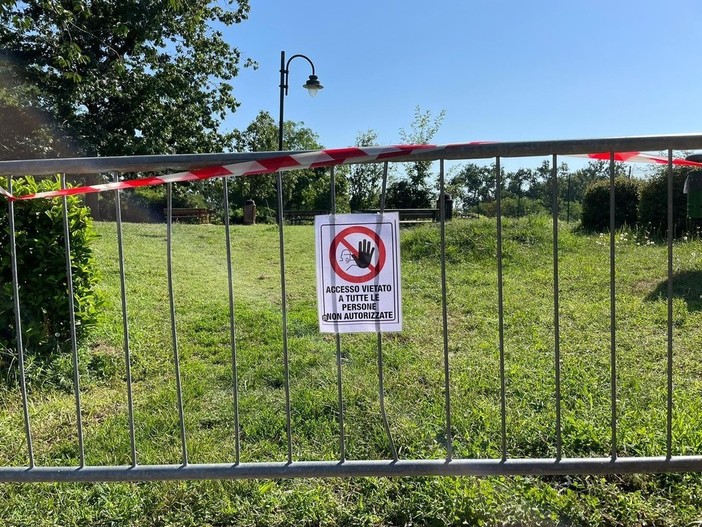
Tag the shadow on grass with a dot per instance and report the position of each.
(687, 285)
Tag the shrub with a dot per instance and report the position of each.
(41, 262)
(595, 212)
(653, 207)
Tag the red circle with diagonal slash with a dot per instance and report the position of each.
(341, 239)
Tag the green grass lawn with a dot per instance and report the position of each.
(414, 383)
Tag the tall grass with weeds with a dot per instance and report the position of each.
(413, 377)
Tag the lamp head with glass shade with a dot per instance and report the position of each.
(312, 85)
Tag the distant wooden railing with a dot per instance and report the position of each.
(203, 215)
(299, 217)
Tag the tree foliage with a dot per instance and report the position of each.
(472, 185)
(96, 77)
(364, 179)
(541, 185)
(302, 189)
(526, 190)
(415, 190)
(572, 184)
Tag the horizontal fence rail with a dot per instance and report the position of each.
(355, 468)
(95, 165)
(395, 465)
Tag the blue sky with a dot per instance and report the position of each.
(502, 70)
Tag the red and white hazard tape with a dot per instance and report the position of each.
(5, 193)
(316, 159)
(284, 163)
(638, 157)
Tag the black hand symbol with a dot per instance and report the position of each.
(365, 254)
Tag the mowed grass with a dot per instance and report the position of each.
(414, 382)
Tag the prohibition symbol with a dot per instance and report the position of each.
(357, 254)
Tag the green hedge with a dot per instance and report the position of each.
(595, 213)
(653, 207)
(41, 261)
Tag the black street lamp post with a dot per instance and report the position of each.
(313, 86)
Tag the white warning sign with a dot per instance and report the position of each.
(358, 273)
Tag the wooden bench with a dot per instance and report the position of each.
(299, 217)
(410, 215)
(203, 215)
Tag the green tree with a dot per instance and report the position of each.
(415, 190)
(571, 185)
(364, 179)
(472, 185)
(543, 187)
(118, 78)
(25, 132)
(516, 182)
(302, 189)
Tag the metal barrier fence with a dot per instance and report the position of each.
(343, 467)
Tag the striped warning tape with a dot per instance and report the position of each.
(637, 157)
(305, 160)
(284, 163)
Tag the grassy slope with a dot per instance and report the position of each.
(414, 383)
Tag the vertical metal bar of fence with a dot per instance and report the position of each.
(340, 390)
(669, 410)
(612, 305)
(384, 187)
(18, 326)
(284, 312)
(72, 322)
(444, 311)
(232, 322)
(174, 333)
(568, 202)
(339, 386)
(556, 310)
(500, 310)
(125, 322)
(381, 382)
(332, 189)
